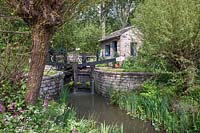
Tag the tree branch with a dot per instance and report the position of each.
(14, 32)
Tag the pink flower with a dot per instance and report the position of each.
(45, 103)
(74, 131)
(21, 110)
(14, 114)
(1, 108)
(12, 106)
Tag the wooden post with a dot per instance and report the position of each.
(65, 60)
(97, 55)
(75, 70)
(92, 79)
(84, 58)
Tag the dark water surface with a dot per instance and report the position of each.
(87, 105)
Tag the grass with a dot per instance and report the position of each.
(50, 72)
(180, 114)
(110, 69)
(110, 129)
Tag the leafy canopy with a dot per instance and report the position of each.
(171, 32)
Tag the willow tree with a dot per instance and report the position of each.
(42, 18)
(172, 35)
(123, 9)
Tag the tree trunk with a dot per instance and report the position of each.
(40, 46)
(103, 18)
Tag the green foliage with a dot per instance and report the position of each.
(12, 93)
(194, 93)
(102, 65)
(115, 96)
(51, 116)
(38, 119)
(76, 35)
(134, 64)
(63, 95)
(87, 37)
(65, 36)
(122, 10)
(49, 72)
(70, 86)
(110, 129)
(14, 49)
(15, 24)
(13, 60)
(55, 118)
(158, 104)
(171, 35)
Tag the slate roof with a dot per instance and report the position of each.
(115, 34)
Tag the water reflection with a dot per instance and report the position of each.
(87, 105)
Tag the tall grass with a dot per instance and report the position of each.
(157, 106)
(110, 128)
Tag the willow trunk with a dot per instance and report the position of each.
(40, 46)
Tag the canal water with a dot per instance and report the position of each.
(87, 105)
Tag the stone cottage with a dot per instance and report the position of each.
(122, 43)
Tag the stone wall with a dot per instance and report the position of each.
(51, 85)
(124, 81)
(133, 35)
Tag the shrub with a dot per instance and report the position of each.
(13, 61)
(134, 64)
(171, 36)
(115, 96)
(12, 95)
(50, 116)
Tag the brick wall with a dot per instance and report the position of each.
(125, 81)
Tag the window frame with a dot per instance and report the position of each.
(107, 50)
(133, 50)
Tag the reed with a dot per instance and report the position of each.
(110, 128)
(157, 106)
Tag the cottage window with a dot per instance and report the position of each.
(107, 50)
(114, 44)
(133, 48)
